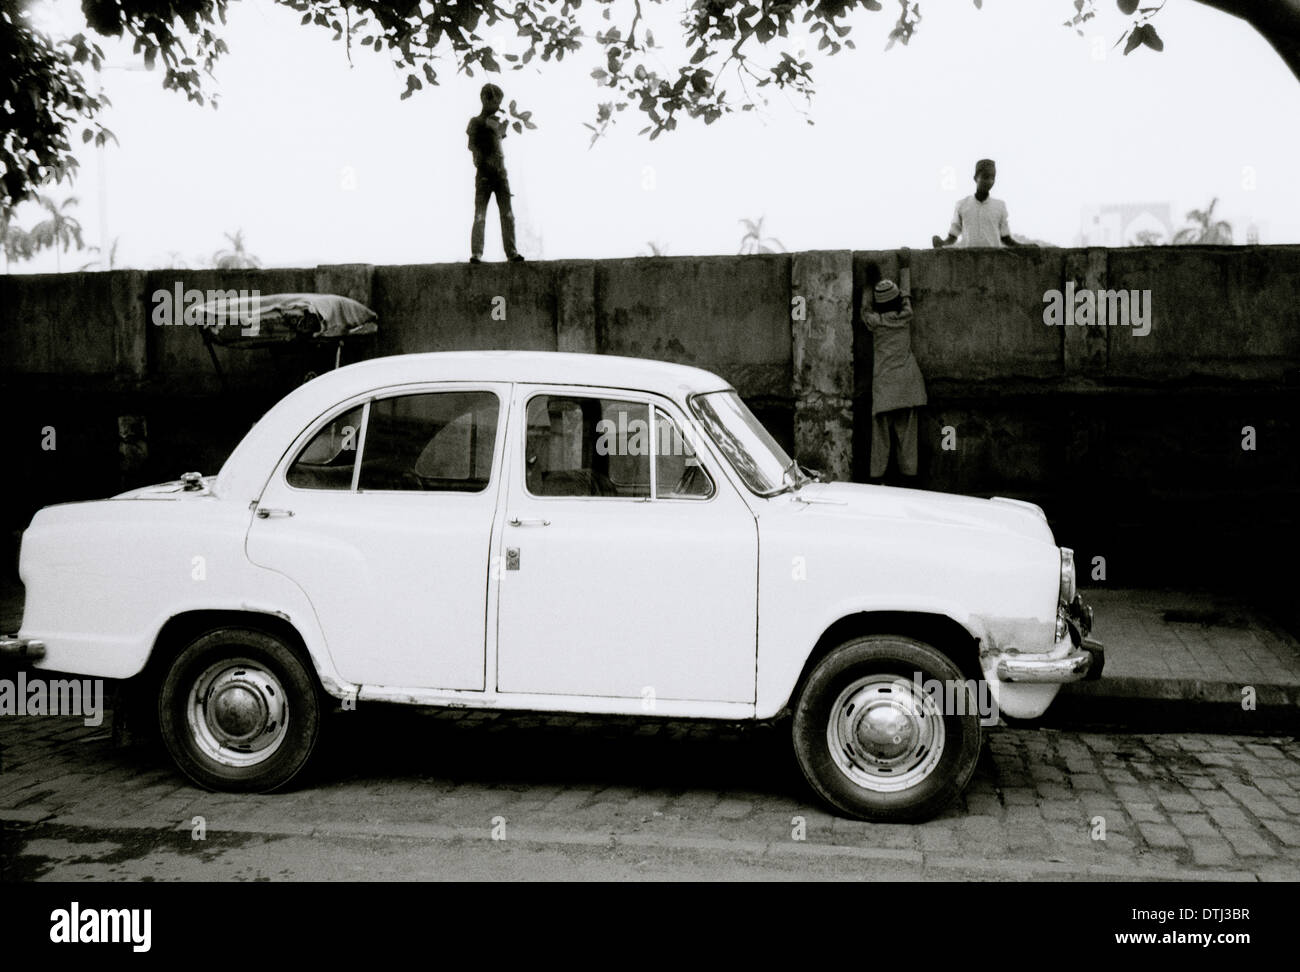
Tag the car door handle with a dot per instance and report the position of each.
(265, 513)
(515, 521)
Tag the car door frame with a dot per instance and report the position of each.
(715, 466)
(505, 392)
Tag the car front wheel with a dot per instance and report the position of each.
(239, 711)
(877, 733)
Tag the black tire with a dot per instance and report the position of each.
(1014, 722)
(865, 798)
(243, 681)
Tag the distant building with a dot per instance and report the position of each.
(1125, 224)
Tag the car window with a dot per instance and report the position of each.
(578, 446)
(430, 442)
(327, 461)
(678, 472)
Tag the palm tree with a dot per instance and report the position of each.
(235, 257)
(754, 242)
(1206, 231)
(59, 231)
(17, 244)
(100, 262)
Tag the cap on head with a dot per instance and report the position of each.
(985, 165)
(885, 291)
(490, 92)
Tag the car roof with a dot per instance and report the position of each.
(248, 466)
(541, 367)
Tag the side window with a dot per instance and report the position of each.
(678, 472)
(327, 461)
(587, 447)
(604, 447)
(434, 441)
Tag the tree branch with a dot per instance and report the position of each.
(1277, 21)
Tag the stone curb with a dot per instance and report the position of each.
(931, 865)
(1185, 690)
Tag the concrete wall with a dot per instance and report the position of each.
(1133, 444)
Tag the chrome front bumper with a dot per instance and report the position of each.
(28, 649)
(1076, 657)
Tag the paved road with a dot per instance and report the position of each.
(410, 794)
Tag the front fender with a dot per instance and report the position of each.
(779, 672)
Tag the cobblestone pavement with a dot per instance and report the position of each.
(401, 792)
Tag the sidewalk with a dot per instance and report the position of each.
(1176, 646)
(1165, 646)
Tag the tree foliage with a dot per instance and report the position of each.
(44, 92)
(753, 240)
(235, 256)
(1205, 229)
(59, 231)
(43, 96)
(18, 245)
(726, 44)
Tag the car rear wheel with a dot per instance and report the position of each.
(239, 711)
(874, 737)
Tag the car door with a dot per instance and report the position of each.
(630, 563)
(383, 515)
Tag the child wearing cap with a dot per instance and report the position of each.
(979, 220)
(897, 388)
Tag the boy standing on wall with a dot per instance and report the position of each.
(485, 132)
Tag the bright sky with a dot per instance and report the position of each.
(320, 162)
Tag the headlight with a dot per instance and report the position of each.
(1068, 586)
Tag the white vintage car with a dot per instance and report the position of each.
(564, 533)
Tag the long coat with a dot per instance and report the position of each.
(896, 380)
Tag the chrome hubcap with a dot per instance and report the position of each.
(237, 712)
(885, 734)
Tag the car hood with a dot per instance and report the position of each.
(997, 515)
(174, 490)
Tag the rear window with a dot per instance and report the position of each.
(433, 441)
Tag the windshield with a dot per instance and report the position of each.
(748, 446)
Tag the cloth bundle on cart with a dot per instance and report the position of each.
(251, 321)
